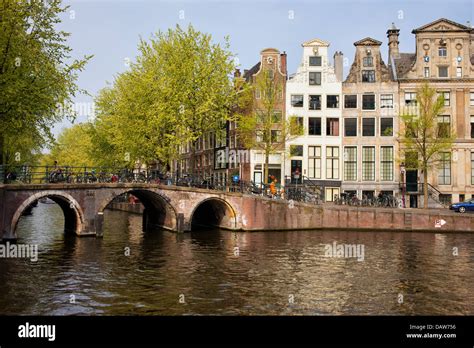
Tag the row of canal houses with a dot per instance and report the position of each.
(351, 126)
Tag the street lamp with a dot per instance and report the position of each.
(402, 180)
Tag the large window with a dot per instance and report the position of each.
(332, 126)
(410, 98)
(314, 162)
(444, 174)
(368, 75)
(386, 163)
(368, 102)
(275, 136)
(386, 126)
(368, 127)
(444, 128)
(350, 163)
(426, 71)
(297, 125)
(297, 100)
(315, 61)
(314, 126)
(332, 101)
(458, 71)
(314, 78)
(442, 51)
(350, 101)
(332, 162)
(442, 71)
(315, 102)
(368, 163)
(350, 127)
(447, 98)
(386, 101)
(277, 116)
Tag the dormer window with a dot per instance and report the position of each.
(315, 61)
(442, 51)
(368, 61)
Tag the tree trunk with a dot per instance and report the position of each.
(425, 188)
(265, 171)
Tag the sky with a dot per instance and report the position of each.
(110, 29)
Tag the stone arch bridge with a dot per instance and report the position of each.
(170, 207)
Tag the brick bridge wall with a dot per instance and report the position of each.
(174, 208)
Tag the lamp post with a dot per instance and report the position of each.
(402, 180)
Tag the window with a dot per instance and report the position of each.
(426, 71)
(368, 102)
(332, 101)
(296, 125)
(332, 162)
(447, 97)
(368, 163)
(410, 98)
(444, 126)
(315, 61)
(350, 163)
(332, 126)
(276, 116)
(472, 127)
(442, 52)
(444, 174)
(350, 127)
(386, 101)
(315, 78)
(275, 135)
(270, 74)
(315, 102)
(458, 71)
(472, 168)
(314, 162)
(386, 163)
(368, 75)
(350, 101)
(471, 99)
(386, 127)
(442, 71)
(368, 127)
(297, 101)
(296, 150)
(368, 61)
(314, 126)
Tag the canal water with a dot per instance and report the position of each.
(220, 272)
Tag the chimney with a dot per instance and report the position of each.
(338, 66)
(392, 35)
(237, 73)
(283, 63)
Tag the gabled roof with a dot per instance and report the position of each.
(315, 42)
(404, 63)
(442, 24)
(368, 41)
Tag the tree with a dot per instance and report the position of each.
(263, 127)
(179, 89)
(425, 140)
(35, 77)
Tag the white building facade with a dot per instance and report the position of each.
(314, 97)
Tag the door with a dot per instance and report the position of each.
(412, 180)
(296, 171)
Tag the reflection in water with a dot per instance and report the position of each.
(270, 269)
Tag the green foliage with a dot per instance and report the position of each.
(179, 89)
(35, 75)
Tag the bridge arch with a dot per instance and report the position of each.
(73, 214)
(158, 210)
(213, 212)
